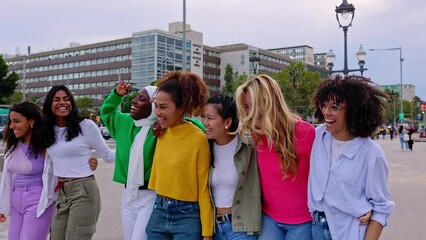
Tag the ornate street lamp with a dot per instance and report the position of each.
(345, 15)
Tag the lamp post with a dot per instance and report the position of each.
(184, 37)
(393, 95)
(254, 59)
(361, 55)
(120, 70)
(345, 14)
(401, 114)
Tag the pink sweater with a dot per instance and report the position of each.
(286, 200)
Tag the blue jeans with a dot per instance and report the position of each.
(320, 229)
(224, 232)
(175, 220)
(272, 229)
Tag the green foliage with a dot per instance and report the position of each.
(239, 80)
(304, 82)
(85, 105)
(8, 83)
(229, 80)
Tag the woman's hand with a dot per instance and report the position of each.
(2, 218)
(207, 238)
(93, 162)
(123, 88)
(157, 130)
(365, 219)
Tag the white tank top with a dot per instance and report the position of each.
(224, 174)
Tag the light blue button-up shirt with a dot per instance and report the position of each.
(353, 185)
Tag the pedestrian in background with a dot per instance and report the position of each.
(348, 179)
(135, 145)
(234, 177)
(70, 139)
(26, 190)
(283, 142)
(180, 171)
(403, 137)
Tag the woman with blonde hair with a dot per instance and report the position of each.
(283, 142)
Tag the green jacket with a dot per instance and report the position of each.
(123, 130)
(247, 205)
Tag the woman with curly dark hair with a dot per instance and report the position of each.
(348, 192)
(180, 171)
(26, 189)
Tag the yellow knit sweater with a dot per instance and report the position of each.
(181, 170)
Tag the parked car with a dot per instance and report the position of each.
(105, 133)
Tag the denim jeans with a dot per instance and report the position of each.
(224, 232)
(320, 229)
(175, 220)
(272, 229)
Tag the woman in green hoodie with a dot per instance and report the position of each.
(135, 144)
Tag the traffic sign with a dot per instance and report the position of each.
(423, 107)
(401, 116)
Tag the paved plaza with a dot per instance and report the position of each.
(407, 180)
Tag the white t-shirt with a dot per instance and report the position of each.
(224, 174)
(70, 159)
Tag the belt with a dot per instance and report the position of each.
(144, 187)
(62, 181)
(224, 218)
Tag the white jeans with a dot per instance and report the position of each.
(135, 215)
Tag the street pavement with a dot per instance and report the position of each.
(407, 181)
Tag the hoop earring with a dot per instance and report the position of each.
(31, 126)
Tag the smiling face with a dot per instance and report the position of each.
(335, 120)
(216, 126)
(168, 114)
(141, 105)
(61, 107)
(21, 126)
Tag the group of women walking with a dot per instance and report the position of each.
(250, 169)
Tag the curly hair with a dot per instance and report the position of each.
(73, 119)
(188, 91)
(277, 121)
(365, 102)
(31, 112)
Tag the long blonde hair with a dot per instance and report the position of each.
(277, 121)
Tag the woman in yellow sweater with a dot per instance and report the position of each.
(180, 171)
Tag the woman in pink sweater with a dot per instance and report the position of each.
(283, 143)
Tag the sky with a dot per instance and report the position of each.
(379, 24)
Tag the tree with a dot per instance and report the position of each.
(306, 83)
(229, 80)
(8, 82)
(84, 104)
(239, 80)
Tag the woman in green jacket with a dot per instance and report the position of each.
(135, 145)
(234, 180)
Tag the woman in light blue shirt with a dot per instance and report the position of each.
(348, 172)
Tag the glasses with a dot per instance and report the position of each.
(333, 109)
